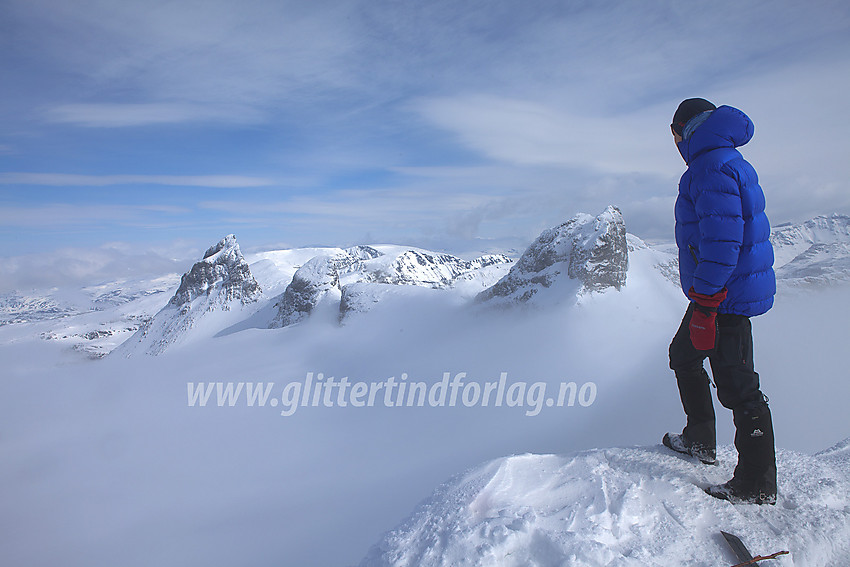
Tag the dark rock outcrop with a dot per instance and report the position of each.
(593, 251)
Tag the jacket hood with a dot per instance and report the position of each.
(726, 127)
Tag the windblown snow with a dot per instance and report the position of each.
(640, 506)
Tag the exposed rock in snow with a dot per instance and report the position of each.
(18, 308)
(361, 276)
(637, 506)
(223, 276)
(820, 264)
(427, 269)
(221, 281)
(362, 252)
(593, 251)
(816, 252)
(312, 283)
(791, 240)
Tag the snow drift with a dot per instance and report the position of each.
(631, 506)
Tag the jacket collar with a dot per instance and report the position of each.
(726, 127)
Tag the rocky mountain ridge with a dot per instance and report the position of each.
(583, 255)
(813, 253)
(591, 251)
(221, 281)
(347, 279)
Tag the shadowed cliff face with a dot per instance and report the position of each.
(223, 269)
(592, 251)
(220, 282)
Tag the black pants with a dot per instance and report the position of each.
(737, 384)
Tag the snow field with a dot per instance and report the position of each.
(621, 507)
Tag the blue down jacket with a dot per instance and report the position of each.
(722, 230)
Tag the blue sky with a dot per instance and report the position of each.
(158, 127)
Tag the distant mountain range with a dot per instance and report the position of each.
(816, 252)
(281, 288)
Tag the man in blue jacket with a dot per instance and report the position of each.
(726, 270)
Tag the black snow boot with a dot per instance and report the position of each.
(754, 480)
(741, 492)
(695, 394)
(681, 444)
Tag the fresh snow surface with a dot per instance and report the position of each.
(274, 269)
(641, 506)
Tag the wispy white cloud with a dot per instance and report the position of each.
(59, 216)
(525, 132)
(117, 115)
(486, 117)
(68, 267)
(75, 180)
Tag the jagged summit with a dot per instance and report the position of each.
(221, 281)
(591, 251)
(222, 271)
(627, 506)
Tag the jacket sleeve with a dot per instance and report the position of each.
(721, 226)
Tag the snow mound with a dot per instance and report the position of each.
(621, 507)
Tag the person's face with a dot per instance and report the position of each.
(676, 138)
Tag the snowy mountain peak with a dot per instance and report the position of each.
(222, 275)
(790, 240)
(316, 280)
(815, 252)
(591, 251)
(361, 252)
(356, 279)
(227, 244)
(220, 282)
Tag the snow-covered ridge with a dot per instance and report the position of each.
(630, 506)
(584, 254)
(591, 251)
(52, 304)
(356, 279)
(220, 282)
(791, 240)
(816, 252)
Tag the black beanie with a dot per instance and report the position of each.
(687, 110)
